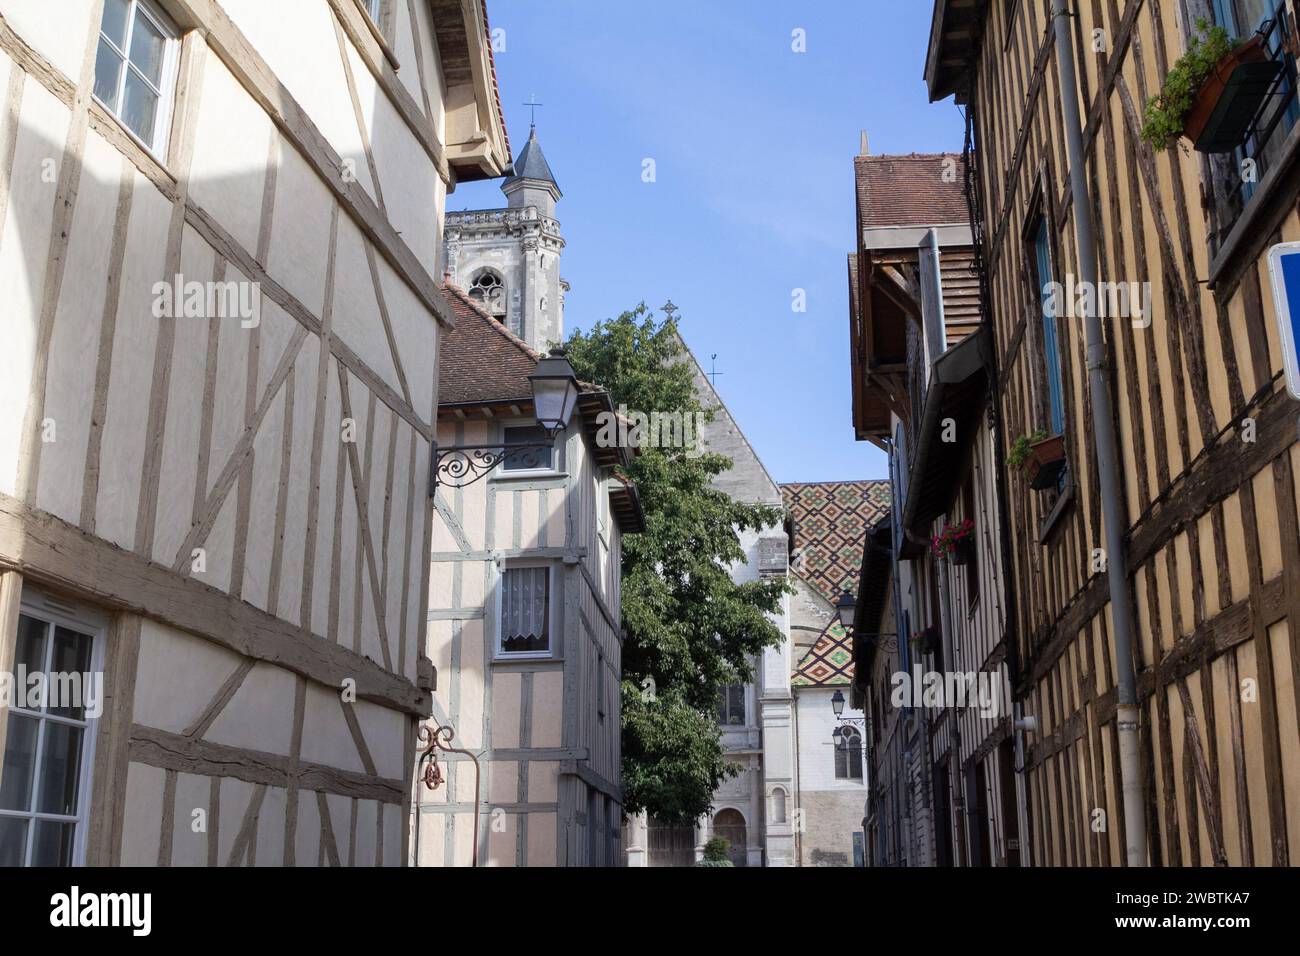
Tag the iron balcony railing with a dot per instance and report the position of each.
(1278, 113)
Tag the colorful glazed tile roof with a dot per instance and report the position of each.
(828, 663)
(829, 522)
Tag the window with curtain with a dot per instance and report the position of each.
(848, 754)
(525, 610)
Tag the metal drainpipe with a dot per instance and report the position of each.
(1103, 434)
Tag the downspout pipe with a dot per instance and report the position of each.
(1103, 434)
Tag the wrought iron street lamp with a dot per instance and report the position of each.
(555, 395)
(555, 392)
(845, 607)
(837, 705)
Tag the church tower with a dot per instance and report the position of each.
(508, 259)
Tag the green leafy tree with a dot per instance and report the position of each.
(717, 852)
(690, 628)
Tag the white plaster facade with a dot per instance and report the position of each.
(233, 512)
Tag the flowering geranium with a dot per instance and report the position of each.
(945, 542)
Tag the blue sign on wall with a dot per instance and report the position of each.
(1284, 272)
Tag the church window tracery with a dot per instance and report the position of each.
(489, 290)
(848, 754)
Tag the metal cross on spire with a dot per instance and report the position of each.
(532, 105)
(714, 373)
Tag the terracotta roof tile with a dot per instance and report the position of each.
(909, 190)
(480, 360)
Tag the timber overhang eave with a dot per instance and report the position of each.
(877, 379)
(955, 30)
(959, 382)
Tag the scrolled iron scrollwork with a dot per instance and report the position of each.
(438, 737)
(462, 465)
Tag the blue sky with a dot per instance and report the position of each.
(753, 147)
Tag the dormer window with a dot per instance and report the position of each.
(489, 291)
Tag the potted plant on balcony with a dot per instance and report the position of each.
(1040, 457)
(956, 541)
(1212, 93)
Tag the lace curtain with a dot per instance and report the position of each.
(523, 609)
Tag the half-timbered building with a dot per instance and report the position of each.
(1175, 421)
(524, 616)
(932, 668)
(219, 226)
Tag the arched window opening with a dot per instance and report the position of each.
(848, 753)
(489, 291)
(778, 805)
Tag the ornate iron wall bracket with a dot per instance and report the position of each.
(439, 738)
(457, 466)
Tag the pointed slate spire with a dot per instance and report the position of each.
(531, 164)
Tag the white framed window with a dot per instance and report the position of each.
(49, 743)
(526, 610)
(135, 69)
(529, 461)
(375, 9)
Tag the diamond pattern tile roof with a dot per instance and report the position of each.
(829, 662)
(828, 525)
